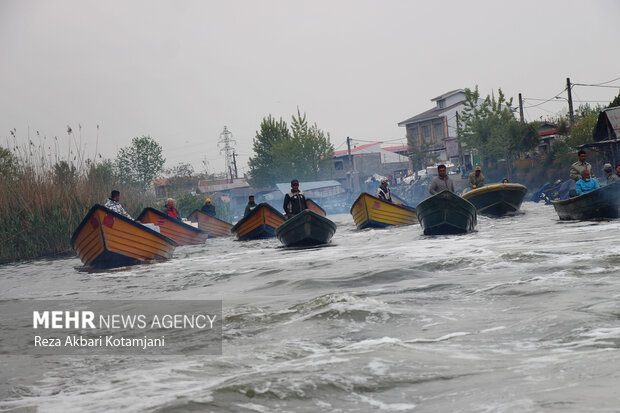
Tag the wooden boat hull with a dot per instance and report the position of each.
(261, 222)
(446, 213)
(174, 229)
(498, 199)
(105, 239)
(601, 203)
(371, 212)
(306, 228)
(214, 227)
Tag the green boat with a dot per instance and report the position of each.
(446, 213)
(305, 229)
(498, 199)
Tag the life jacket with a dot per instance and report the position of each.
(172, 212)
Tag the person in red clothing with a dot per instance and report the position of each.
(170, 210)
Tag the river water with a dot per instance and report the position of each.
(521, 315)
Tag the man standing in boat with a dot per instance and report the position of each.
(294, 201)
(578, 167)
(383, 192)
(609, 173)
(113, 204)
(441, 182)
(476, 178)
(250, 206)
(208, 208)
(170, 209)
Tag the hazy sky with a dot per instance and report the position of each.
(181, 70)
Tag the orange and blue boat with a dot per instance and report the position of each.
(175, 229)
(105, 239)
(261, 222)
(215, 227)
(371, 212)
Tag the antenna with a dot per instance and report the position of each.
(226, 145)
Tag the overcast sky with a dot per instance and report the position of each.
(181, 70)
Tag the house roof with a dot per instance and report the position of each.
(308, 186)
(396, 148)
(221, 185)
(386, 156)
(448, 94)
(359, 149)
(433, 113)
(608, 125)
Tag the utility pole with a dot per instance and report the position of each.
(235, 164)
(570, 102)
(226, 144)
(350, 164)
(521, 108)
(458, 139)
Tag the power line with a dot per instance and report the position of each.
(598, 84)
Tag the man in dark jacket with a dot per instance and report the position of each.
(294, 201)
(208, 208)
(250, 206)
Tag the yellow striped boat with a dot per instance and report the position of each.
(215, 227)
(371, 212)
(105, 239)
(261, 222)
(177, 230)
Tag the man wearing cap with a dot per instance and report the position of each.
(208, 208)
(578, 167)
(383, 191)
(476, 178)
(609, 173)
(441, 182)
(294, 201)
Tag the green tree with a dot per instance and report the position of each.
(489, 125)
(305, 152)
(308, 155)
(8, 163)
(181, 178)
(586, 118)
(263, 170)
(139, 163)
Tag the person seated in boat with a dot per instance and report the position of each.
(294, 201)
(250, 206)
(476, 178)
(383, 192)
(113, 204)
(586, 184)
(505, 181)
(441, 182)
(579, 166)
(170, 210)
(208, 208)
(610, 174)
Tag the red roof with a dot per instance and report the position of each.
(355, 149)
(396, 148)
(548, 132)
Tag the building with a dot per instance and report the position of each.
(607, 135)
(548, 133)
(368, 160)
(434, 131)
